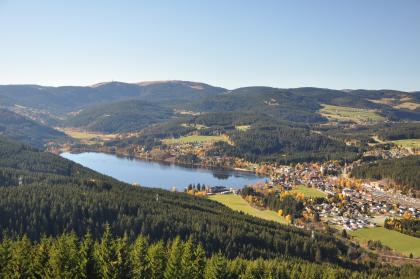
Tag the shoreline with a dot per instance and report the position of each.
(166, 162)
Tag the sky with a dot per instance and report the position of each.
(338, 44)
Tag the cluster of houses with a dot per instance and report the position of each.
(355, 207)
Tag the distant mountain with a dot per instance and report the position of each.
(124, 116)
(303, 104)
(288, 104)
(72, 98)
(19, 128)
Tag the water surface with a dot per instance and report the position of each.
(160, 175)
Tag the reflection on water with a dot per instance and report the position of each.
(160, 175)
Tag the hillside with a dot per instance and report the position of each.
(120, 117)
(304, 104)
(59, 196)
(404, 171)
(23, 129)
(73, 98)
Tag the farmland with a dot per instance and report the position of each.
(399, 242)
(237, 203)
(195, 139)
(411, 143)
(357, 115)
(309, 192)
(87, 137)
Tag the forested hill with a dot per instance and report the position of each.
(404, 171)
(122, 116)
(56, 196)
(26, 130)
(72, 98)
(303, 104)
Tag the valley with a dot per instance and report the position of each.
(316, 162)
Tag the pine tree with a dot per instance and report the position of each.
(5, 256)
(104, 255)
(87, 263)
(216, 267)
(20, 262)
(64, 257)
(156, 258)
(41, 255)
(138, 259)
(120, 264)
(199, 263)
(173, 267)
(187, 259)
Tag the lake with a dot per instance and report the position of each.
(160, 175)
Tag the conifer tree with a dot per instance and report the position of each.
(104, 255)
(187, 259)
(19, 265)
(216, 267)
(138, 258)
(64, 257)
(120, 264)
(173, 267)
(87, 263)
(5, 255)
(156, 258)
(199, 263)
(40, 257)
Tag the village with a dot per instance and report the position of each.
(343, 202)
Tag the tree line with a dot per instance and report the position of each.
(404, 171)
(67, 256)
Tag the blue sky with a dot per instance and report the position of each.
(335, 44)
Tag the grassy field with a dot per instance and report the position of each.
(236, 202)
(408, 105)
(309, 192)
(195, 139)
(357, 115)
(87, 137)
(243, 128)
(399, 242)
(196, 126)
(413, 143)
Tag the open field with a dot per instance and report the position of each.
(357, 115)
(408, 105)
(195, 139)
(196, 126)
(399, 242)
(309, 192)
(413, 143)
(87, 137)
(237, 203)
(243, 128)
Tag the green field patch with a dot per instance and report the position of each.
(196, 126)
(399, 242)
(357, 115)
(237, 203)
(243, 128)
(411, 143)
(195, 139)
(309, 192)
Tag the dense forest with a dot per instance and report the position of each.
(120, 117)
(365, 133)
(67, 256)
(404, 171)
(265, 139)
(20, 128)
(45, 194)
